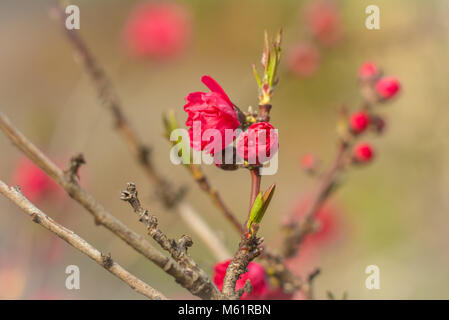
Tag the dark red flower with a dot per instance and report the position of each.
(258, 144)
(256, 274)
(210, 111)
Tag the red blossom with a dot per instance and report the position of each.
(256, 274)
(303, 59)
(258, 144)
(324, 21)
(212, 110)
(157, 30)
(363, 152)
(359, 121)
(33, 182)
(368, 70)
(327, 218)
(308, 161)
(387, 87)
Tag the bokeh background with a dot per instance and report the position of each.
(392, 213)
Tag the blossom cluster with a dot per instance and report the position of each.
(213, 124)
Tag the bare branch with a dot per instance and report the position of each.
(308, 287)
(216, 198)
(288, 282)
(78, 243)
(101, 215)
(249, 249)
(75, 163)
(294, 231)
(177, 249)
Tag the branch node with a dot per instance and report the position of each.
(107, 260)
(71, 173)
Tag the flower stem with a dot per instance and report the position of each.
(255, 186)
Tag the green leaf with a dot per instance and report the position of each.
(260, 206)
(267, 197)
(255, 212)
(256, 75)
(271, 70)
(170, 124)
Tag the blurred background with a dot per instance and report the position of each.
(391, 213)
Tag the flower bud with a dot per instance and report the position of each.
(258, 144)
(387, 87)
(303, 59)
(323, 20)
(309, 162)
(359, 121)
(363, 152)
(368, 70)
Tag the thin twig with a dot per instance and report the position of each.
(177, 249)
(256, 180)
(101, 215)
(276, 268)
(294, 231)
(202, 180)
(202, 230)
(39, 217)
(308, 287)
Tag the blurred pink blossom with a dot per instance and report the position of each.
(303, 59)
(33, 182)
(158, 30)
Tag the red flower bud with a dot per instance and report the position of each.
(303, 59)
(368, 70)
(212, 110)
(359, 121)
(157, 30)
(387, 87)
(324, 22)
(258, 144)
(363, 152)
(308, 162)
(256, 275)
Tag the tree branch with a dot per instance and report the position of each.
(202, 180)
(78, 243)
(294, 231)
(177, 249)
(249, 249)
(101, 215)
